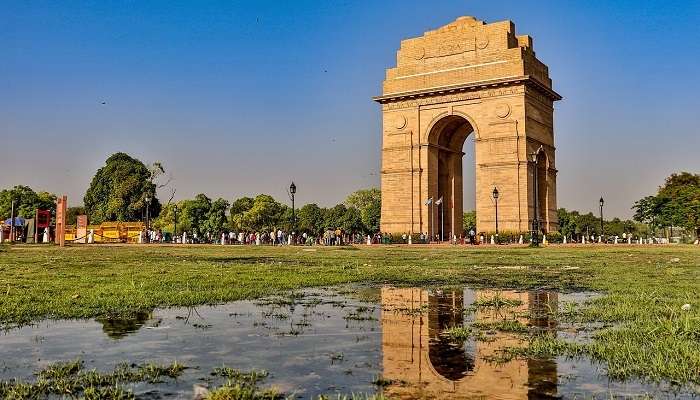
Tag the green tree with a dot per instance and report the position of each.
(27, 201)
(216, 217)
(265, 214)
(119, 189)
(46, 201)
(369, 202)
(197, 213)
(647, 210)
(469, 221)
(587, 224)
(334, 216)
(567, 223)
(677, 203)
(166, 218)
(238, 209)
(310, 219)
(72, 214)
(352, 221)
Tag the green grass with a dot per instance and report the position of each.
(69, 379)
(496, 301)
(643, 288)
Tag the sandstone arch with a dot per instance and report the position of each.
(467, 78)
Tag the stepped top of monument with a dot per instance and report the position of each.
(466, 51)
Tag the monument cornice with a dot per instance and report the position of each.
(467, 87)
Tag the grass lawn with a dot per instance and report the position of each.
(648, 335)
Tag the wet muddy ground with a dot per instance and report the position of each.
(403, 342)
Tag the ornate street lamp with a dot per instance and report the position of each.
(495, 198)
(535, 196)
(292, 192)
(148, 222)
(601, 202)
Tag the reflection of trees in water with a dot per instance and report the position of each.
(121, 326)
(449, 359)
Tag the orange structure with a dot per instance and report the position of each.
(61, 204)
(414, 351)
(107, 232)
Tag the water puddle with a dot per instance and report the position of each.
(317, 342)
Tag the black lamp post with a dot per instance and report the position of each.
(175, 228)
(148, 222)
(292, 192)
(601, 201)
(495, 198)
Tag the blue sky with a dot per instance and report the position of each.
(238, 98)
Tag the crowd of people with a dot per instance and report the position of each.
(275, 237)
(337, 237)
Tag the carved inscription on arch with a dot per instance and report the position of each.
(450, 98)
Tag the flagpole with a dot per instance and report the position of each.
(432, 220)
(439, 202)
(430, 202)
(442, 222)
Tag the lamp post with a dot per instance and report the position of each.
(442, 219)
(535, 197)
(292, 192)
(175, 228)
(148, 222)
(431, 231)
(495, 198)
(601, 202)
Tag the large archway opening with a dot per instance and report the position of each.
(446, 139)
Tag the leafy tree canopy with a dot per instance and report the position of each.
(27, 201)
(369, 203)
(469, 221)
(677, 203)
(119, 189)
(265, 214)
(310, 219)
(238, 209)
(216, 220)
(72, 214)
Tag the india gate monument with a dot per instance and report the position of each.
(468, 78)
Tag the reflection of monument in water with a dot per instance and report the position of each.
(436, 367)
